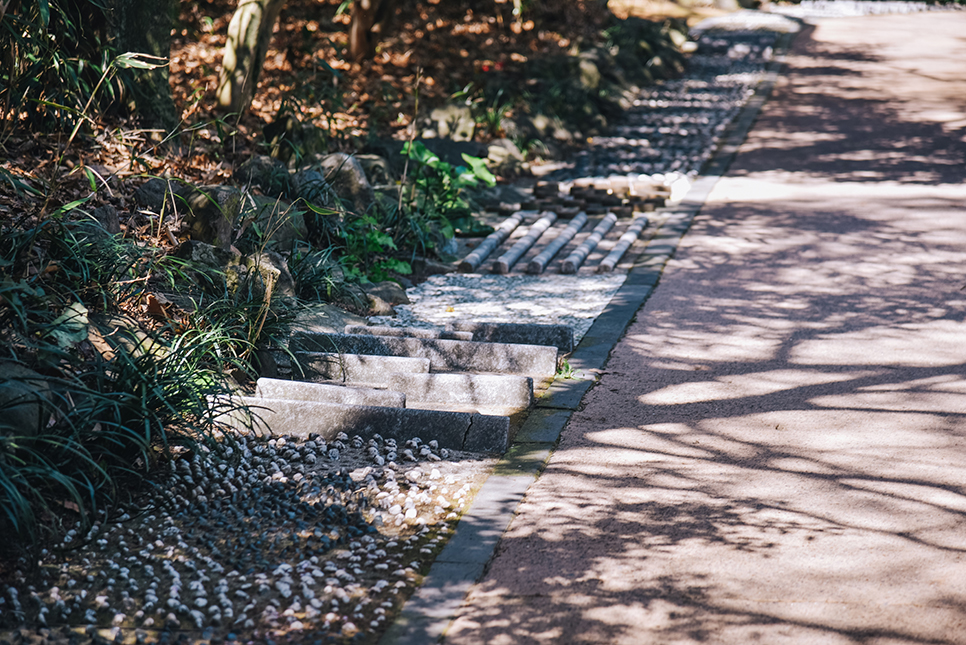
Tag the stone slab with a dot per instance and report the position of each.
(559, 336)
(408, 332)
(487, 434)
(453, 430)
(502, 390)
(444, 355)
(269, 388)
(356, 368)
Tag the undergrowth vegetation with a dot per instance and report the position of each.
(117, 343)
(89, 397)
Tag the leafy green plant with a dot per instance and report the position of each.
(437, 190)
(368, 252)
(565, 370)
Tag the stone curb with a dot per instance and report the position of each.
(429, 611)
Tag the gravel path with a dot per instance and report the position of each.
(280, 540)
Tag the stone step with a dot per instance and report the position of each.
(476, 390)
(537, 361)
(270, 388)
(453, 430)
(559, 336)
(354, 368)
(408, 332)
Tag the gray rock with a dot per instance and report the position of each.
(589, 74)
(504, 156)
(326, 318)
(454, 122)
(26, 400)
(155, 192)
(106, 216)
(377, 169)
(378, 306)
(310, 184)
(279, 223)
(268, 174)
(212, 213)
(388, 291)
(209, 263)
(347, 177)
(259, 272)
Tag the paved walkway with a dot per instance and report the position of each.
(777, 450)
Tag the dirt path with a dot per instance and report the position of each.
(777, 451)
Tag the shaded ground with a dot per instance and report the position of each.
(775, 453)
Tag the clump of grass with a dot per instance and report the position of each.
(113, 395)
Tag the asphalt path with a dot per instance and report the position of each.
(776, 451)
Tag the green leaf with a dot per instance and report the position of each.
(398, 266)
(44, 7)
(138, 60)
(71, 206)
(480, 170)
(91, 178)
(70, 327)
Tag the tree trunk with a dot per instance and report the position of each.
(145, 28)
(369, 19)
(249, 33)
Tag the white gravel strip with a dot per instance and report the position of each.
(543, 299)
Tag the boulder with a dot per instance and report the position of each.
(378, 306)
(326, 318)
(277, 221)
(310, 184)
(208, 263)
(212, 213)
(348, 179)
(388, 291)
(106, 216)
(268, 174)
(589, 74)
(453, 122)
(377, 169)
(156, 192)
(26, 400)
(258, 272)
(504, 156)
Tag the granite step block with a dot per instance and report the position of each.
(269, 388)
(477, 390)
(538, 361)
(559, 336)
(354, 368)
(453, 430)
(408, 332)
